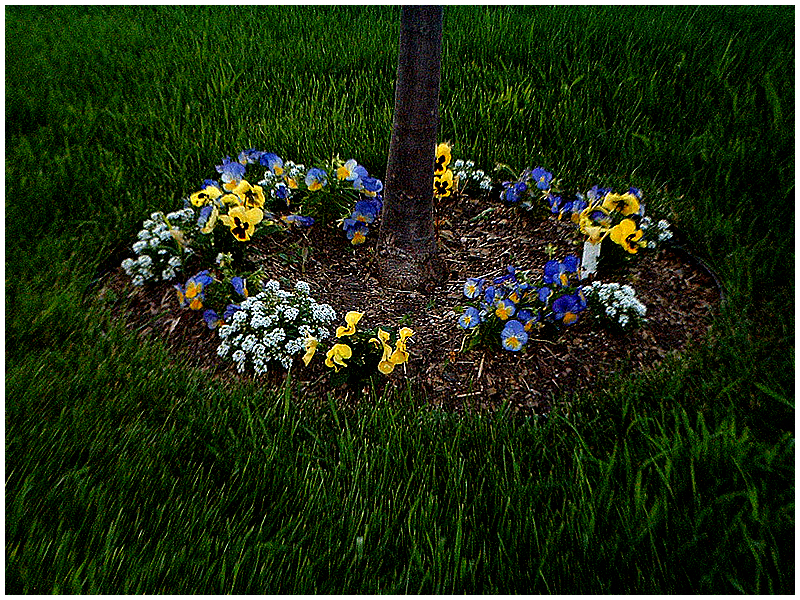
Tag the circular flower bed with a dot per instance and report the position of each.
(519, 318)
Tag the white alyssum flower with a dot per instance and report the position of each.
(156, 250)
(617, 303)
(271, 327)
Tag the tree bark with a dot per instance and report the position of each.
(407, 248)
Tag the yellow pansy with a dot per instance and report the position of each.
(385, 365)
(400, 354)
(337, 355)
(252, 195)
(443, 184)
(351, 318)
(627, 204)
(311, 347)
(588, 226)
(442, 158)
(627, 235)
(242, 221)
(231, 200)
(205, 196)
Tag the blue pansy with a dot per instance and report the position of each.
(247, 157)
(356, 230)
(557, 273)
(316, 179)
(205, 212)
(232, 171)
(527, 318)
(372, 184)
(211, 318)
(544, 294)
(542, 178)
(282, 191)
(577, 205)
(230, 310)
(299, 220)
(239, 286)
(514, 336)
(272, 161)
(555, 203)
(471, 318)
(511, 273)
(513, 192)
(472, 287)
(491, 294)
(566, 309)
(365, 211)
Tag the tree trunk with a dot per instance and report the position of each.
(407, 250)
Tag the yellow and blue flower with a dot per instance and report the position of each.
(514, 336)
(352, 171)
(193, 293)
(356, 231)
(504, 309)
(566, 308)
(272, 161)
(371, 186)
(471, 318)
(472, 287)
(528, 318)
(232, 172)
(316, 179)
(558, 273)
(366, 210)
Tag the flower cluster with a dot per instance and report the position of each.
(599, 213)
(509, 307)
(365, 213)
(241, 210)
(160, 248)
(469, 179)
(362, 352)
(615, 304)
(460, 178)
(322, 197)
(273, 327)
(443, 182)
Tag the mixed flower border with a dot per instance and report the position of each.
(260, 326)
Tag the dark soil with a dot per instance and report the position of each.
(679, 293)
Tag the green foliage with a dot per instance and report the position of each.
(126, 474)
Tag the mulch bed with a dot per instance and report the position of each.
(679, 293)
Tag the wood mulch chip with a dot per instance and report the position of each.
(679, 293)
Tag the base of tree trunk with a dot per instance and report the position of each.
(399, 269)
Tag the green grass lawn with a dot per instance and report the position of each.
(128, 474)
